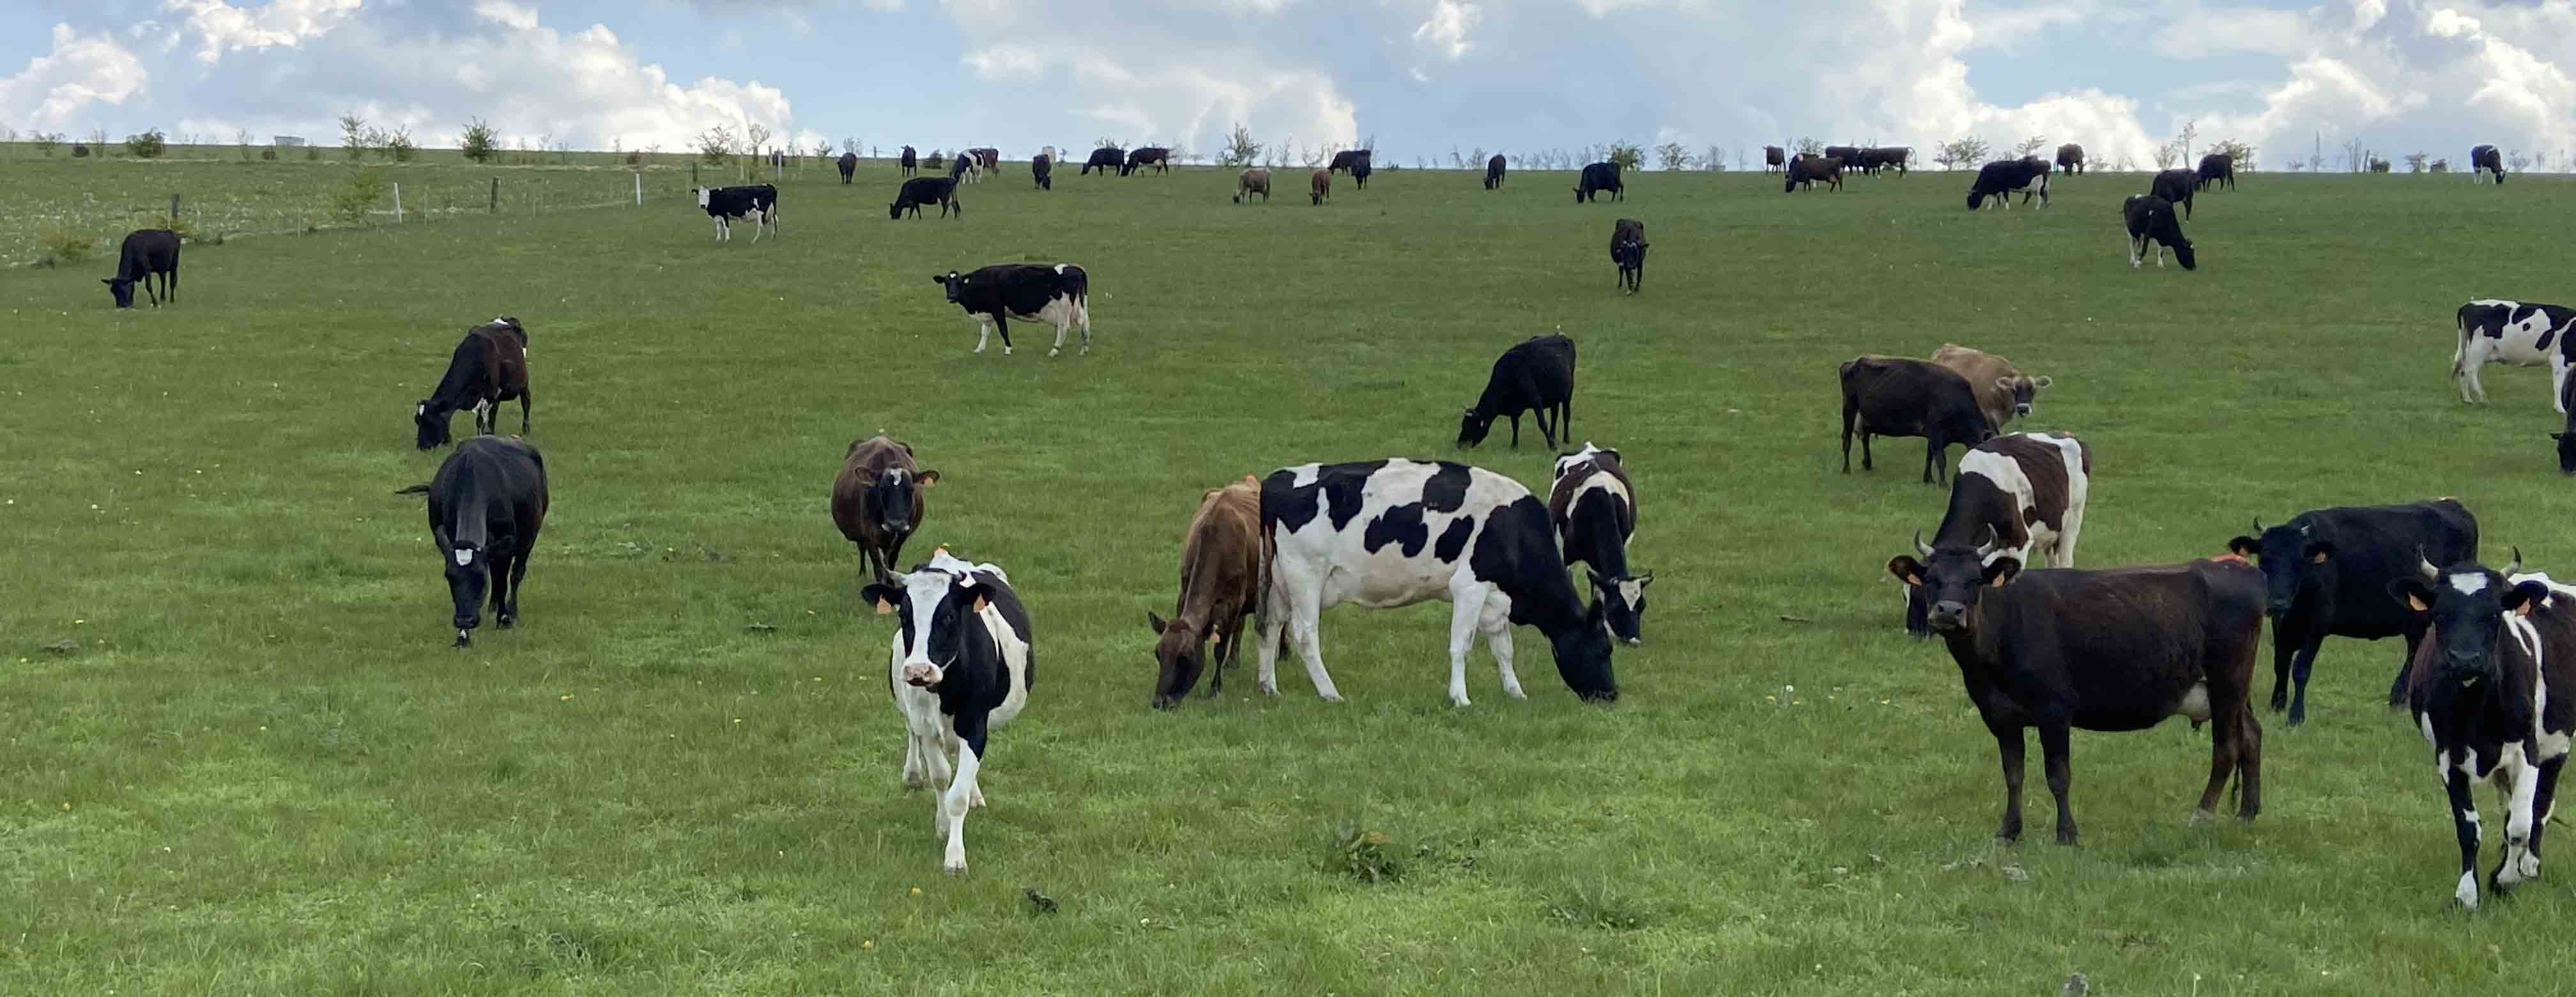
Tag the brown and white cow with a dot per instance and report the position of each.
(1221, 573)
(2002, 392)
(880, 499)
(2020, 496)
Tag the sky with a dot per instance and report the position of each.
(1420, 77)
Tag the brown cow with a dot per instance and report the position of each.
(1319, 187)
(2002, 392)
(880, 499)
(2070, 158)
(490, 366)
(1221, 576)
(1809, 169)
(1252, 181)
(1773, 155)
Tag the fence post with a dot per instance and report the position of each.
(693, 177)
(174, 207)
(397, 204)
(639, 189)
(496, 195)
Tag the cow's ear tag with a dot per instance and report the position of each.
(2525, 608)
(884, 607)
(981, 603)
(2416, 603)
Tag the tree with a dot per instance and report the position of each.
(2241, 154)
(2183, 139)
(2516, 160)
(1970, 151)
(715, 145)
(1625, 155)
(241, 137)
(1808, 147)
(850, 145)
(150, 144)
(2030, 147)
(353, 136)
(1671, 156)
(1240, 149)
(2415, 162)
(478, 143)
(1714, 160)
(399, 146)
(822, 149)
(755, 137)
(2352, 161)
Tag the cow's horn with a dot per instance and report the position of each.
(2424, 566)
(1920, 546)
(2515, 567)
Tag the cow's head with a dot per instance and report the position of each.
(2566, 448)
(704, 196)
(467, 578)
(1950, 578)
(1976, 199)
(955, 283)
(428, 431)
(1623, 604)
(121, 288)
(1180, 654)
(933, 607)
(892, 497)
(2468, 603)
(2181, 246)
(1472, 427)
(2296, 562)
(2024, 390)
(895, 210)
(1583, 658)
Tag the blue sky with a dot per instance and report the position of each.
(1421, 76)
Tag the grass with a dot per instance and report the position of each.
(257, 767)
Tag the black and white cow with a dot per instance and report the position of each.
(919, 191)
(2485, 161)
(1031, 292)
(1597, 179)
(146, 253)
(485, 506)
(2519, 333)
(2020, 496)
(2326, 574)
(2489, 691)
(1536, 376)
(2150, 219)
(2176, 187)
(960, 665)
(1999, 179)
(1628, 251)
(964, 169)
(727, 205)
(1594, 509)
(1387, 533)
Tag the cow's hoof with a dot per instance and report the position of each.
(1329, 697)
(2466, 894)
(507, 622)
(954, 867)
(1006, 351)
(1051, 354)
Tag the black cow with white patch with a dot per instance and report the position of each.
(849, 164)
(1387, 533)
(485, 506)
(2326, 574)
(489, 366)
(1494, 172)
(1042, 171)
(960, 665)
(919, 191)
(2519, 333)
(146, 253)
(2485, 161)
(1058, 294)
(1594, 509)
(1598, 178)
(1537, 376)
(2218, 168)
(1106, 159)
(2150, 219)
(1628, 251)
(2001, 178)
(2176, 187)
(1901, 396)
(727, 205)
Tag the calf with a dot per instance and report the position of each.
(1031, 292)
(145, 253)
(2485, 161)
(1042, 171)
(959, 666)
(1999, 179)
(1494, 172)
(490, 366)
(2218, 168)
(2002, 392)
(1252, 181)
(1319, 187)
(1594, 510)
(919, 191)
(1535, 376)
(1389, 533)
(911, 161)
(2020, 496)
(1897, 396)
(1221, 579)
(1809, 169)
(2326, 574)
(1107, 159)
(2495, 709)
(2116, 650)
(1628, 250)
(2176, 187)
(2151, 219)
(1597, 178)
(2520, 333)
(849, 163)
(880, 499)
(1774, 156)
(1155, 156)
(727, 205)
(485, 506)
(2070, 158)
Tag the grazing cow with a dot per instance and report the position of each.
(1628, 250)
(1594, 509)
(1809, 169)
(1221, 581)
(2151, 219)
(919, 191)
(485, 506)
(960, 665)
(2002, 392)
(1155, 156)
(911, 161)
(2520, 333)
(1042, 171)
(2326, 574)
(1106, 159)
(727, 205)
(2218, 168)
(2485, 161)
(1886, 157)
(1899, 396)
(1346, 159)
(2021, 496)
(1999, 179)
(880, 499)
(2378, 165)
(2176, 187)
(1772, 156)
(1319, 186)
(1031, 292)
(490, 366)
(2070, 158)
(963, 169)
(1597, 178)
(849, 163)
(1252, 181)
(1537, 376)
(1849, 154)
(2122, 649)
(146, 252)
(1360, 169)
(1494, 172)
(2496, 710)
(1387, 533)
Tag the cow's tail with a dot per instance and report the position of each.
(419, 489)
(1261, 588)
(2460, 356)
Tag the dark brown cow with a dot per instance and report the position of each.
(1222, 567)
(1809, 169)
(849, 164)
(490, 366)
(1319, 186)
(2070, 158)
(1899, 396)
(2218, 168)
(879, 499)
(2002, 392)
(1772, 156)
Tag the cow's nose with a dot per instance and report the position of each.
(919, 674)
(2021, 410)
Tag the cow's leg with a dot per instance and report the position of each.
(2464, 825)
(962, 792)
(913, 769)
(1849, 411)
(2053, 738)
(483, 416)
(170, 281)
(1305, 608)
(2558, 381)
(2521, 798)
(524, 398)
(2226, 747)
(508, 570)
(1269, 624)
(2299, 669)
(2543, 802)
(1497, 625)
(1867, 461)
(1931, 455)
(1061, 327)
(2062, 554)
(1002, 327)
(2284, 651)
(1466, 618)
(1229, 648)
(2009, 744)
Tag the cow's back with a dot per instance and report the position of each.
(2121, 648)
(2375, 545)
(1221, 550)
(1386, 533)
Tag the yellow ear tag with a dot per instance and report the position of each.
(884, 607)
(2417, 603)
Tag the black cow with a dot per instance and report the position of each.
(1155, 156)
(1597, 178)
(2176, 187)
(919, 191)
(1346, 159)
(727, 205)
(2326, 574)
(2123, 649)
(1809, 169)
(960, 665)
(1628, 250)
(2151, 219)
(2485, 161)
(1595, 512)
(2218, 168)
(1773, 155)
(849, 163)
(2070, 158)
(485, 506)
(146, 252)
(1360, 169)
(1849, 154)
(490, 366)
(1031, 292)
(1899, 396)
(1494, 172)
(1107, 159)
(2567, 437)
(1999, 179)
(1042, 171)
(1536, 376)
(1888, 157)
(911, 161)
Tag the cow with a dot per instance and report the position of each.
(987, 158)
(1155, 156)
(919, 191)
(2520, 333)
(1628, 250)
(2566, 437)
(1388, 533)
(2002, 392)
(2494, 709)
(963, 169)
(486, 503)
(1107, 159)
(1319, 186)
(1594, 509)
(2120, 649)
(960, 665)
(1899, 396)
(1849, 154)
(1031, 292)
(2176, 187)
(1042, 171)
(2070, 158)
(146, 252)
(1809, 169)
(1999, 179)
(1222, 572)
(2020, 495)
(1598, 178)
(1252, 181)
(1494, 172)
(489, 366)
(757, 203)
(2326, 574)
(880, 499)
(2151, 219)
(1347, 159)
(1887, 157)
(1536, 376)
(2485, 161)
(1772, 156)
(1360, 169)
(849, 163)
(911, 161)
(2218, 168)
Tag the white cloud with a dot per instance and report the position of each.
(57, 88)
(222, 27)
(1445, 31)
(507, 13)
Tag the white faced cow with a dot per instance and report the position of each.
(2519, 333)
(960, 667)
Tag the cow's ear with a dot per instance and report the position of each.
(2411, 593)
(2002, 569)
(927, 479)
(1153, 622)
(2005, 383)
(1906, 569)
(2041, 381)
(883, 595)
(980, 601)
(2243, 546)
(939, 278)
(2320, 550)
(2522, 599)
